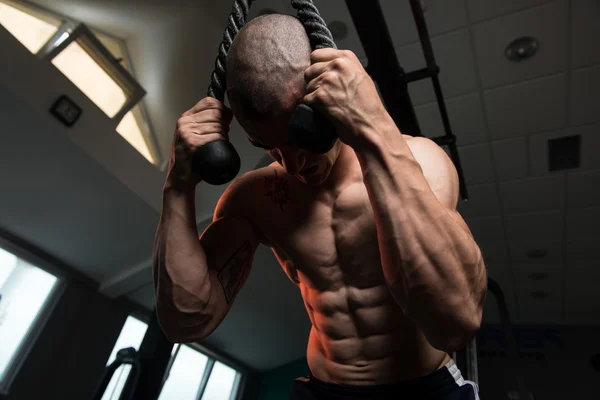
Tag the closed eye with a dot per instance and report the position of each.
(256, 144)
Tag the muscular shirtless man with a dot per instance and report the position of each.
(389, 272)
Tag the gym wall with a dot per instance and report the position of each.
(275, 384)
(67, 361)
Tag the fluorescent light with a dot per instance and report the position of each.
(32, 32)
(130, 130)
(61, 39)
(90, 78)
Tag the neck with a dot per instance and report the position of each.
(341, 172)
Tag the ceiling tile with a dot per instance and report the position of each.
(495, 254)
(510, 157)
(590, 145)
(584, 104)
(583, 189)
(454, 56)
(530, 107)
(526, 285)
(486, 229)
(546, 226)
(466, 119)
(585, 249)
(585, 15)
(546, 311)
(583, 223)
(484, 9)
(547, 23)
(520, 248)
(476, 164)
(581, 290)
(491, 315)
(483, 202)
(441, 16)
(533, 195)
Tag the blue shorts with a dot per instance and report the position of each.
(446, 383)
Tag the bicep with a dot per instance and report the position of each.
(229, 244)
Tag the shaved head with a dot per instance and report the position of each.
(265, 67)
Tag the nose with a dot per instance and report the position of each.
(292, 159)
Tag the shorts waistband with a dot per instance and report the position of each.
(443, 380)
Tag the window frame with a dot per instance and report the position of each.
(81, 34)
(47, 309)
(105, 60)
(213, 357)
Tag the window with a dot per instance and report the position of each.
(95, 62)
(33, 30)
(131, 335)
(184, 378)
(25, 291)
(193, 375)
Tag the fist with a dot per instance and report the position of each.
(206, 122)
(339, 87)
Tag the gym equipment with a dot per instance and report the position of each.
(218, 162)
(127, 356)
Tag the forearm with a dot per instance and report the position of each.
(181, 275)
(431, 263)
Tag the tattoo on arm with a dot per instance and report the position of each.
(230, 275)
(277, 190)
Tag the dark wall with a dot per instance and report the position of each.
(68, 358)
(275, 384)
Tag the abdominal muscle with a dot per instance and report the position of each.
(361, 337)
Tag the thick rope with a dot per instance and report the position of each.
(318, 32)
(236, 21)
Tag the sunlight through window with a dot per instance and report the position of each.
(31, 31)
(90, 78)
(131, 335)
(24, 290)
(130, 130)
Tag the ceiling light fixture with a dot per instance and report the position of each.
(339, 30)
(540, 295)
(537, 254)
(522, 48)
(538, 276)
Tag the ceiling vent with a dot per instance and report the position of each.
(564, 153)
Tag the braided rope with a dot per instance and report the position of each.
(236, 21)
(318, 32)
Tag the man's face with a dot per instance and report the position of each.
(272, 136)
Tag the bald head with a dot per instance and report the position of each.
(265, 67)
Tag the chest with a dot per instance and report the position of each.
(329, 241)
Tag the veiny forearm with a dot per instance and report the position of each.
(181, 276)
(431, 262)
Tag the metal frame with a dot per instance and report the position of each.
(88, 41)
(385, 68)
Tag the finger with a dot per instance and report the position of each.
(316, 83)
(204, 139)
(321, 55)
(206, 103)
(212, 115)
(315, 70)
